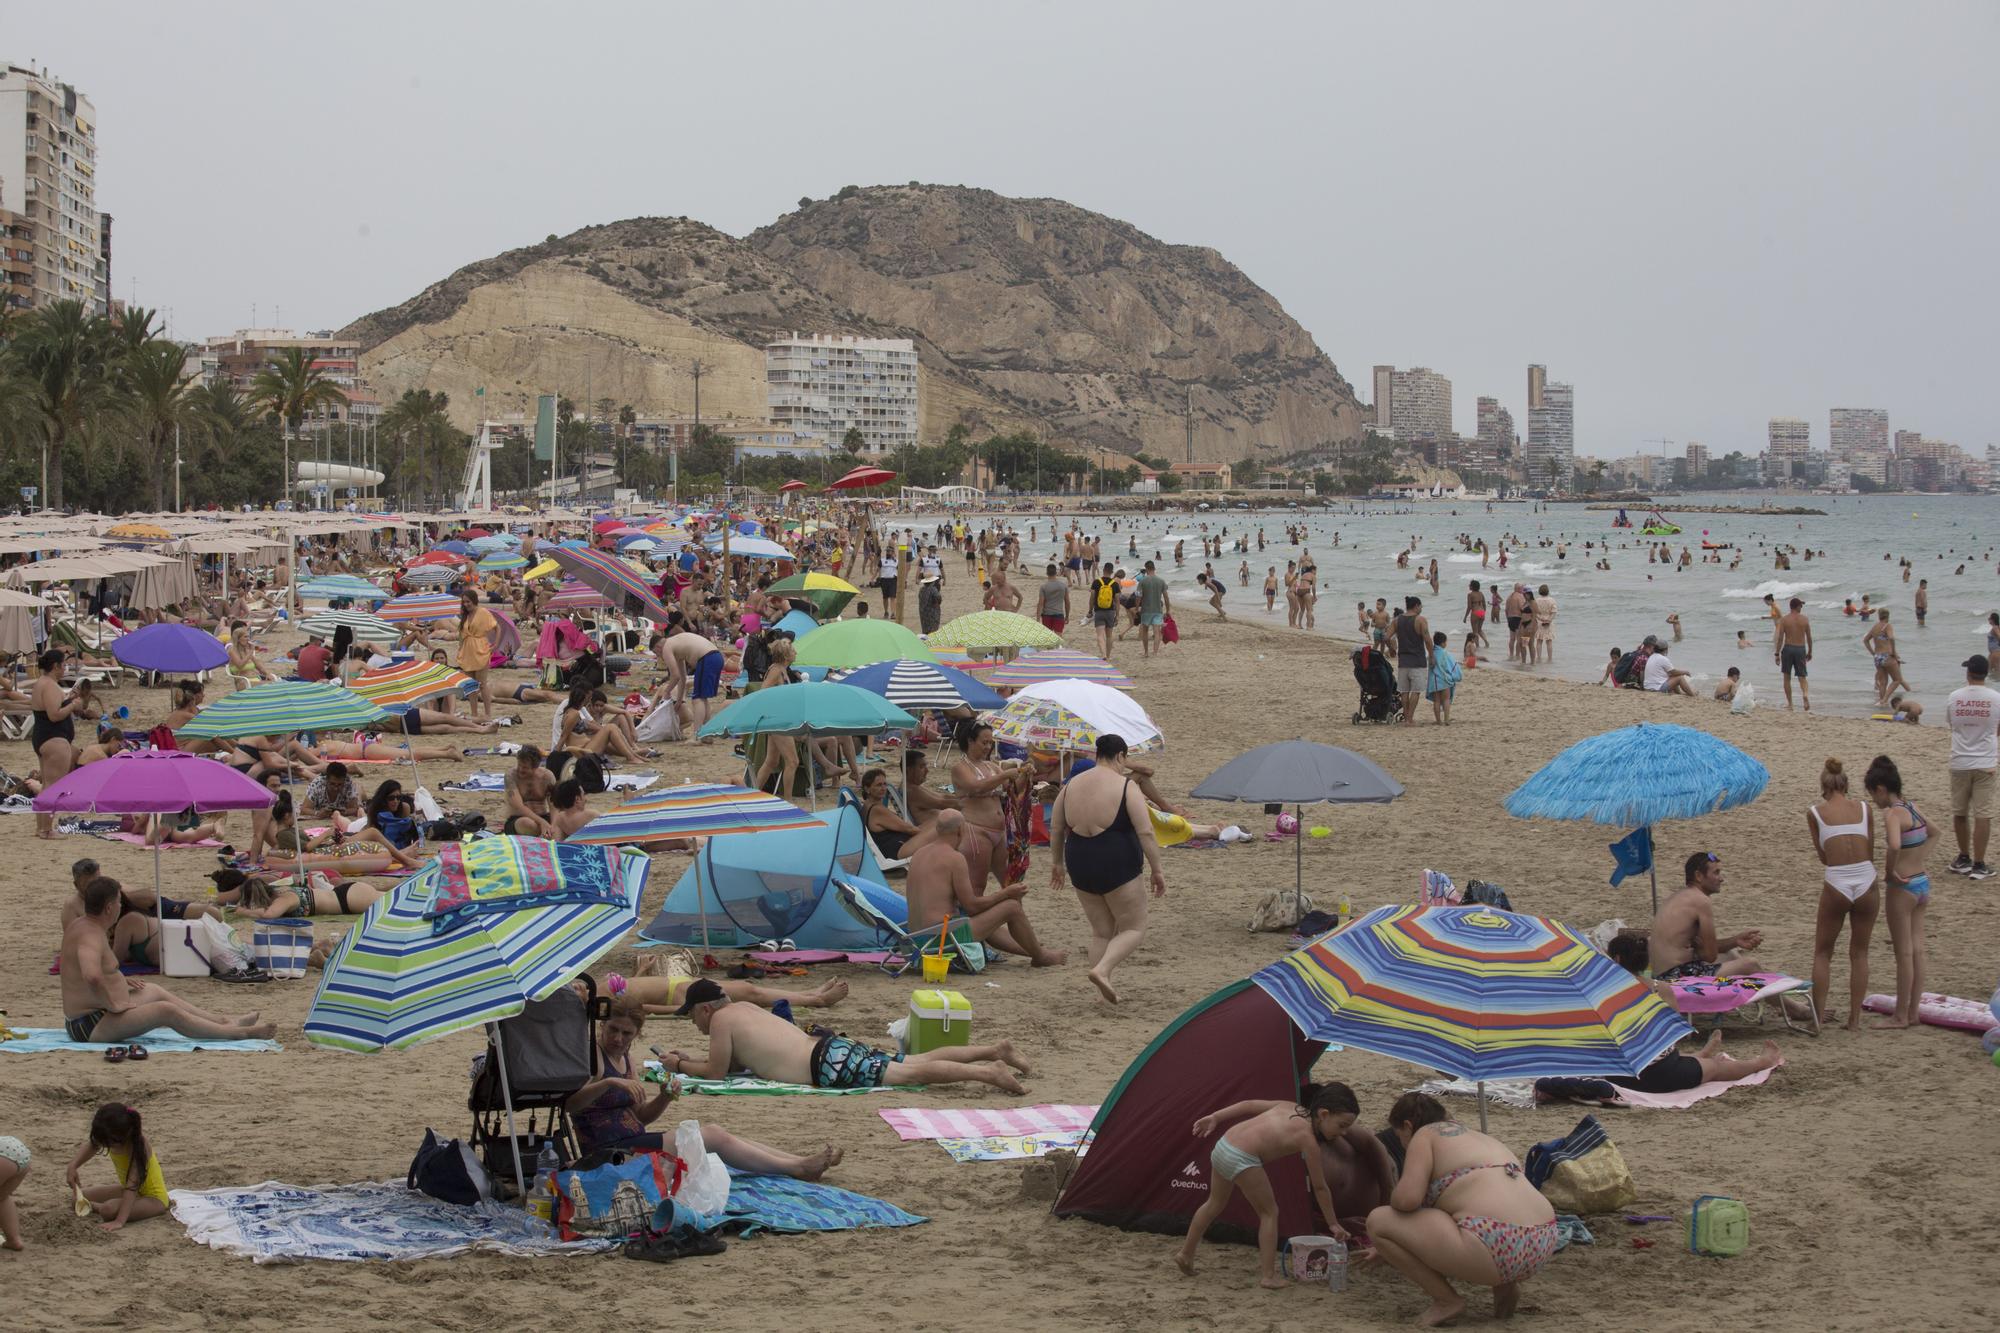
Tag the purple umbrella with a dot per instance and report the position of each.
(153, 782)
(169, 648)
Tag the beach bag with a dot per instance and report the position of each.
(662, 724)
(588, 770)
(1582, 1172)
(1745, 700)
(1169, 631)
(280, 946)
(1718, 1226)
(1283, 910)
(618, 1197)
(446, 1169)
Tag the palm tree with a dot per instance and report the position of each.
(290, 388)
(64, 358)
(1555, 474)
(157, 381)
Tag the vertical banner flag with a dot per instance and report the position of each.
(545, 428)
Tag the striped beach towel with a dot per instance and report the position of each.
(918, 1122)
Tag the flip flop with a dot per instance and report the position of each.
(137, 1052)
(115, 1055)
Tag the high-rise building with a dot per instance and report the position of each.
(1697, 460)
(1385, 397)
(1551, 434)
(238, 357)
(1420, 404)
(1788, 437)
(1496, 429)
(48, 182)
(1538, 377)
(1852, 430)
(828, 384)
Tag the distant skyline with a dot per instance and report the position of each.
(1703, 215)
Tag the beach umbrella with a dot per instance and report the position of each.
(419, 606)
(625, 586)
(1475, 993)
(828, 594)
(170, 648)
(960, 660)
(796, 623)
(574, 596)
(279, 707)
(153, 782)
(1056, 664)
(472, 938)
(861, 478)
(474, 534)
(396, 688)
(1072, 715)
(438, 557)
(752, 548)
(1636, 776)
(852, 643)
(809, 709)
(366, 628)
(490, 543)
(340, 587)
(430, 576)
(992, 630)
(500, 560)
(1299, 773)
(543, 570)
(793, 486)
(919, 686)
(138, 532)
(454, 547)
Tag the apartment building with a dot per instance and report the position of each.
(1496, 429)
(48, 185)
(1857, 430)
(1551, 434)
(1697, 460)
(1385, 399)
(827, 384)
(238, 358)
(1420, 404)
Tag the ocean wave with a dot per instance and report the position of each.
(1465, 557)
(1776, 588)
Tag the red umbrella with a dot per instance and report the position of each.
(793, 486)
(440, 558)
(607, 524)
(861, 477)
(618, 581)
(474, 534)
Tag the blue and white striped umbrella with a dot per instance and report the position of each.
(335, 587)
(366, 628)
(697, 810)
(915, 686)
(534, 915)
(430, 576)
(496, 542)
(280, 707)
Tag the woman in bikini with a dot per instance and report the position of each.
(1905, 835)
(1101, 836)
(245, 668)
(54, 736)
(364, 851)
(364, 745)
(320, 895)
(1475, 614)
(1843, 833)
(1462, 1209)
(885, 822)
(580, 733)
(980, 782)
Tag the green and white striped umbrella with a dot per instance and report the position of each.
(367, 628)
(279, 707)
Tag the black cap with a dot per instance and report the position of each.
(1975, 666)
(699, 991)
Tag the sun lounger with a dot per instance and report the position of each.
(889, 865)
(1715, 996)
(967, 954)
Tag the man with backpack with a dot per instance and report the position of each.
(1104, 609)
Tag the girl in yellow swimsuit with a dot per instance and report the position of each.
(141, 1191)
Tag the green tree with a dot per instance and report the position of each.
(1170, 482)
(155, 373)
(1554, 470)
(290, 388)
(854, 442)
(65, 360)
(1247, 472)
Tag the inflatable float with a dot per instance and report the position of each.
(1945, 1011)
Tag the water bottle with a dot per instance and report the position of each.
(1336, 1266)
(542, 1198)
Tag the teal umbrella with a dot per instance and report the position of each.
(334, 587)
(854, 643)
(279, 707)
(809, 708)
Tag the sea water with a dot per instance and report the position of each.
(1863, 537)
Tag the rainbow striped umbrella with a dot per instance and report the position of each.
(280, 707)
(414, 606)
(397, 687)
(1477, 993)
(574, 596)
(1057, 664)
(625, 586)
(503, 560)
(693, 811)
(993, 629)
(473, 937)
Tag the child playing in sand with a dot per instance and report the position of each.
(1273, 1130)
(141, 1191)
(14, 1159)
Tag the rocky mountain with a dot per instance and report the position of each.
(1026, 312)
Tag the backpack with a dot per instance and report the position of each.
(446, 1169)
(1622, 673)
(1718, 1226)
(1106, 589)
(589, 770)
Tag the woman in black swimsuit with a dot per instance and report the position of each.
(320, 895)
(1106, 865)
(886, 824)
(54, 736)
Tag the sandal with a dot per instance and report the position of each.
(115, 1055)
(137, 1052)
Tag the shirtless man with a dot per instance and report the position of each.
(1517, 639)
(528, 788)
(1683, 941)
(743, 1036)
(99, 1005)
(695, 660)
(978, 779)
(925, 802)
(938, 886)
(1006, 597)
(568, 809)
(1795, 650)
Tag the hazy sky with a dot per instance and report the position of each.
(1702, 215)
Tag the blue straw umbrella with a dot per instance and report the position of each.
(1636, 776)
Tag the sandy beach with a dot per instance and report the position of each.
(1866, 1161)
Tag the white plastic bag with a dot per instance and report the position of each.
(219, 948)
(662, 724)
(706, 1187)
(1745, 700)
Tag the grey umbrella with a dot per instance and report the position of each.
(1299, 773)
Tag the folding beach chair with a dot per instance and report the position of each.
(967, 954)
(888, 865)
(548, 1050)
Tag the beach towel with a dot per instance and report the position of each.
(1680, 1101)
(1715, 995)
(923, 1122)
(629, 781)
(138, 840)
(158, 1041)
(380, 1221)
(743, 1085)
(1014, 1147)
(809, 956)
(781, 1204)
(480, 781)
(1518, 1093)
(501, 874)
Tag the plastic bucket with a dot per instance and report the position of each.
(937, 967)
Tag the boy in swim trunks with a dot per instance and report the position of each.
(1269, 1131)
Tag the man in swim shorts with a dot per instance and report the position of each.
(528, 786)
(99, 1005)
(1684, 943)
(1795, 650)
(745, 1037)
(696, 660)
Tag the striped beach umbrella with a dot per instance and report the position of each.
(625, 586)
(397, 687)
(920, 686)
(341, 587)
(500, 560)
(960, 660)
(827, 593)
(574, 596)
(415, 606)
(993, 629)
(1477, 993)
(279, 707)
(471, 938)
(430, 576)
(696, 810)
(1057, 664)
(366, 628)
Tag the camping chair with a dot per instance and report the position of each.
(550, 1050)
(848, 796)
(967, 954)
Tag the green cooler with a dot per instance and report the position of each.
(939, 1018)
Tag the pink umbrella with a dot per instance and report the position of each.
(153, 782)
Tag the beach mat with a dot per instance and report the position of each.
(1014, 1147)
(742, 1085)
(808, 956)
(921, 1122)
(158, 1041)
(1680, 1101)
(379, 1222)
(785, 1206)
(137, 840)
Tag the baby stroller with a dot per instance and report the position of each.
(1377, 679)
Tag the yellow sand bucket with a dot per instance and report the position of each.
(937, 967)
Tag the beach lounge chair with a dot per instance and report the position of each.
(888, 865)
(551, 1051)
(1712, 997)
(967, 954)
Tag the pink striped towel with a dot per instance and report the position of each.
(918, 1122)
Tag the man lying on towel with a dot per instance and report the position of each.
(746, 1037)
(99, 1005)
